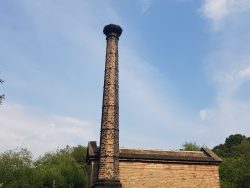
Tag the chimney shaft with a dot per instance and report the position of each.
(108, 171)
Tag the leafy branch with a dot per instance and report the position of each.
(2, 96)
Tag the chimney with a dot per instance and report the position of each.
(108, 170)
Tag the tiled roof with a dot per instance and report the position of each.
(204, 156)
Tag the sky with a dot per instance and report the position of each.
(184, 72)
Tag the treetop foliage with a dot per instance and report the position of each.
(63, 168)
(234, 146)
(1, 95)
(190, 146)
(235, 168)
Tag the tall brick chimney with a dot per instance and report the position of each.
(108, 170)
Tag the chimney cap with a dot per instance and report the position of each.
(112, 29)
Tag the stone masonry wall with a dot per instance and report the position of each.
(168, 175)
(165, 175)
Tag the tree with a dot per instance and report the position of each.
(228, 148)
(2, 95)
(63, 168)
(235, 168)
(16, 168)
(79, 153)
(234, 140)
(235, 172)
(190, 146)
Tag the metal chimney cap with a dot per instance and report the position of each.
(112, 29)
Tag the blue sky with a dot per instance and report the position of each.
(184, 71)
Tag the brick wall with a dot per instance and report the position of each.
(155, 175)
(161, 168)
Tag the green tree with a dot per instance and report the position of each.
(235, 168)
(221, 150)
(235, 139)
(63, 168)
(1, 95)
(190, 146)
(228, 148)
(16, 168)
(79, 153)
(235, 172)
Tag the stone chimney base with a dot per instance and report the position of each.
(107, 184)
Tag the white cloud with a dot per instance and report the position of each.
(145, 5)
(245, 72)
(203, 114)
(146, 106)
(21, 127)
(215, 9)
(184, 1)
(141, 98)
(206, 114)
(228, 67)
(218, 10)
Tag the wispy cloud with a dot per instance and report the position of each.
(68, 49)
(184, 1)
(245, 72)
(218, 10)
(206, 114)
(20, 126)
(215, 9)
(145, 5)
(228, 66)
(60, 53)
